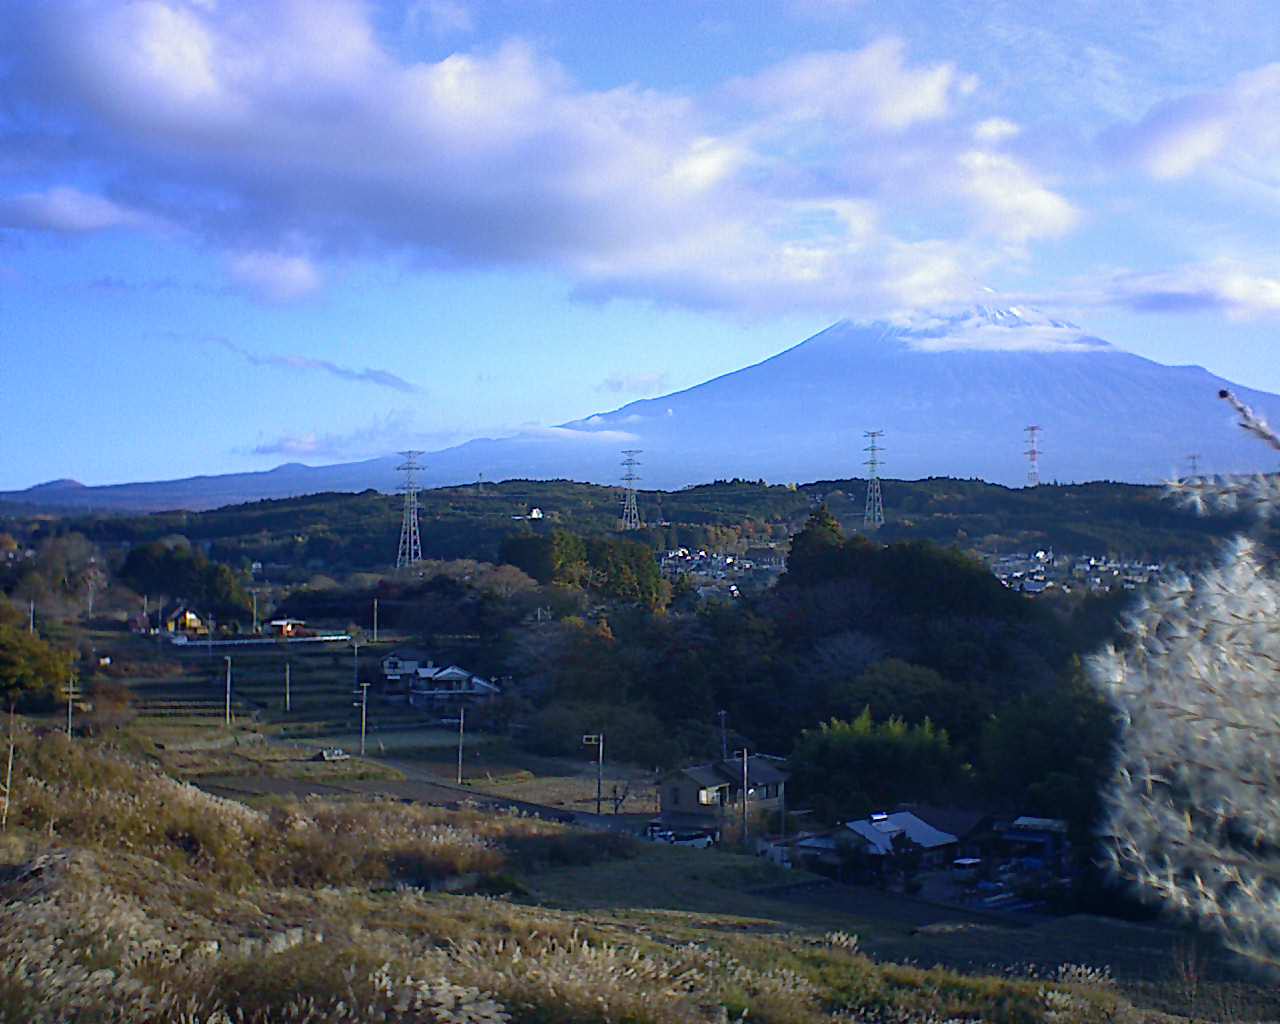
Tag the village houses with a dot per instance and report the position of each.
(413, 678)
(705, 796)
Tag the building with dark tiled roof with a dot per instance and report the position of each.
(703, 795)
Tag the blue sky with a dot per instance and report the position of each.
(234, 235)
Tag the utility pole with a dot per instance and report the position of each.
(873, 513)
(227, 659)
(597, 740)
(8, 777)
(364, 713)
(287, 708)
(745, 791)
(355, 663)
(73, 691)
(375, 620)
(1194, 460)
(462, 726)
(255, 612)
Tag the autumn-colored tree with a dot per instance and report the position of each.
(31, 670)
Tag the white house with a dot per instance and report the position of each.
(431, 684)
(411, 675)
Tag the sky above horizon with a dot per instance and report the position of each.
(235, 235)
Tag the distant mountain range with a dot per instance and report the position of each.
(952, 394)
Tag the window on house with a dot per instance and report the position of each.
(708, 797)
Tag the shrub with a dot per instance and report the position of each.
(1194, 805)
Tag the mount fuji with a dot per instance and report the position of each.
(952, 393)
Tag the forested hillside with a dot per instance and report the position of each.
(345, 532)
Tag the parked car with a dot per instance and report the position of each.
(698, 840)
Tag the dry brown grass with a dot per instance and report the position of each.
(270, 761)
(132, 897)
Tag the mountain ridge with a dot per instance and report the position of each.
(952, 391)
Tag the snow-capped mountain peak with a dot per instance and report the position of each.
(995, 329)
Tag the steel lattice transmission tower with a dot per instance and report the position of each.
(410, 542)
(873, 515)
(1033, 454)
(630, 510)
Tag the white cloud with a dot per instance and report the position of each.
(994, 130)
(1233, 132)
(290, 131)
(274, 276)
(566, 433)
(382, 435)
(872, 87)
(68, 210)
(978, 335)
(1011, 200)
(1238, 290)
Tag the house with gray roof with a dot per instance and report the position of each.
(703, 795)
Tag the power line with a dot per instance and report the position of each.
(410, 552)
(873, 513)
(630, 510)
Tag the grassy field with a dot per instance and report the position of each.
(667, 895)
(686, 893)
(127, 896)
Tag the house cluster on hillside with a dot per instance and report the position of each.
(180, 619)
(1044, 572)
(971, 857)
(411, 677)
(723, 575)
(966, 856)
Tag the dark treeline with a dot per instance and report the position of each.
(187, 575)
(358, 532)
